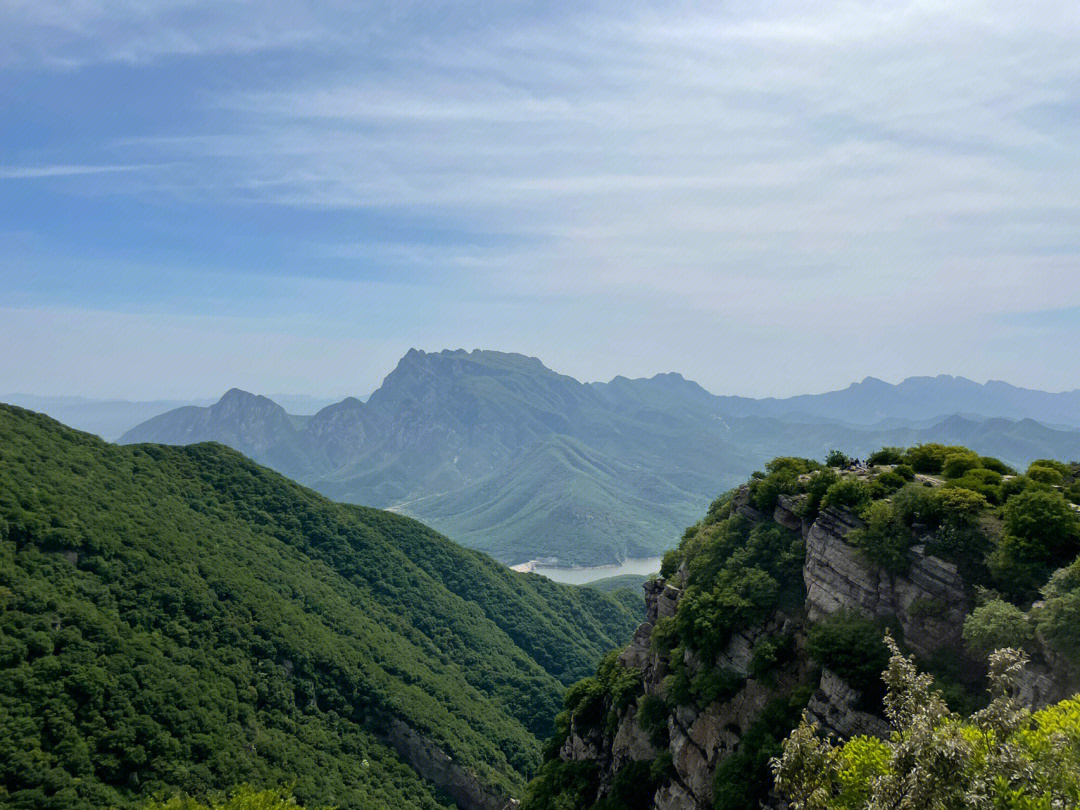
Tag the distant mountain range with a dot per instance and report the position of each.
(917, 398)
(503, 454)
(111, 418)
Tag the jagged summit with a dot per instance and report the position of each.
(510, 456)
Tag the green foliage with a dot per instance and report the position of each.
(930, 458)
(837, 458)
(670, 563)
(852, 647)
(885, 539)
(665, 635)
(742, 781)
(886, 456)
(244, 797)
(630, 582)
(182, 619)
(711, 685)
(563, 786)
(981, 481)
(738, 577)
(632, 788)
(816, 486)
(1058, 618)
(1002, 757)
(905, 471)
(770, 652)
(849, 493)
(958, 463)
(1044, 475)
(781, 478)
(1041, 529)
(652, 716)
(996, 465)
(994, 625)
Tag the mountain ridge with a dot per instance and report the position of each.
(455, 437)
(295, 636)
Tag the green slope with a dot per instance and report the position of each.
(567, 500)
(182, 618)
(631, 582)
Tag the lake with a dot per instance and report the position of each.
(579, 576)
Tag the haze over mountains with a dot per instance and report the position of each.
(505, 455)
(110, 418)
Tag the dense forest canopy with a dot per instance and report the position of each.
(183, 619)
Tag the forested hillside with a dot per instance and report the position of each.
(181, 618)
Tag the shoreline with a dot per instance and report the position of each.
(578, 574)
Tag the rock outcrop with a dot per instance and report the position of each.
(929, 601)
(435, 765)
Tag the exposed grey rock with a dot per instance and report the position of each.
(438, 767)
(674, 796)
(835, 708)
(787, 512)
(930, 601)
(631, 743)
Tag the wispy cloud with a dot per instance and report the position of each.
(63, 170)
(785, 171)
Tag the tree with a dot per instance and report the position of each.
(837, 458)
(1001, 758)
(995, 625)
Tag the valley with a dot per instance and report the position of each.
(511, 458)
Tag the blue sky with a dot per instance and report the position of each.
(771, 198)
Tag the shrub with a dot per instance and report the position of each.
(1001, 757)
(244, 797)
(885, 540)
(958, 463)
(631, 789)
(985, 482)
(889, 482)
(1063, 469)
(742, 781)
(665, 635)
(926, 608)
(652, 716)
(837, 458)
(563, 785)
(848, 492)
(918, 505)
(1045, 519)
(995, 625)
(1014, 486)
(769, 653)
(998, 466)
(1045, 475)
(905, 471)
(670, 563)
(781, 478)
(886, 455)
(585, 702)
(711, 685)
(816, 487)
(1058, 618)
(929, 458)
(851, 646)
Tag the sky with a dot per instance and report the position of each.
(770, 198)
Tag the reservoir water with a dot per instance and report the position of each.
(579, 576)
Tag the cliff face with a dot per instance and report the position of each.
(927, 605)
